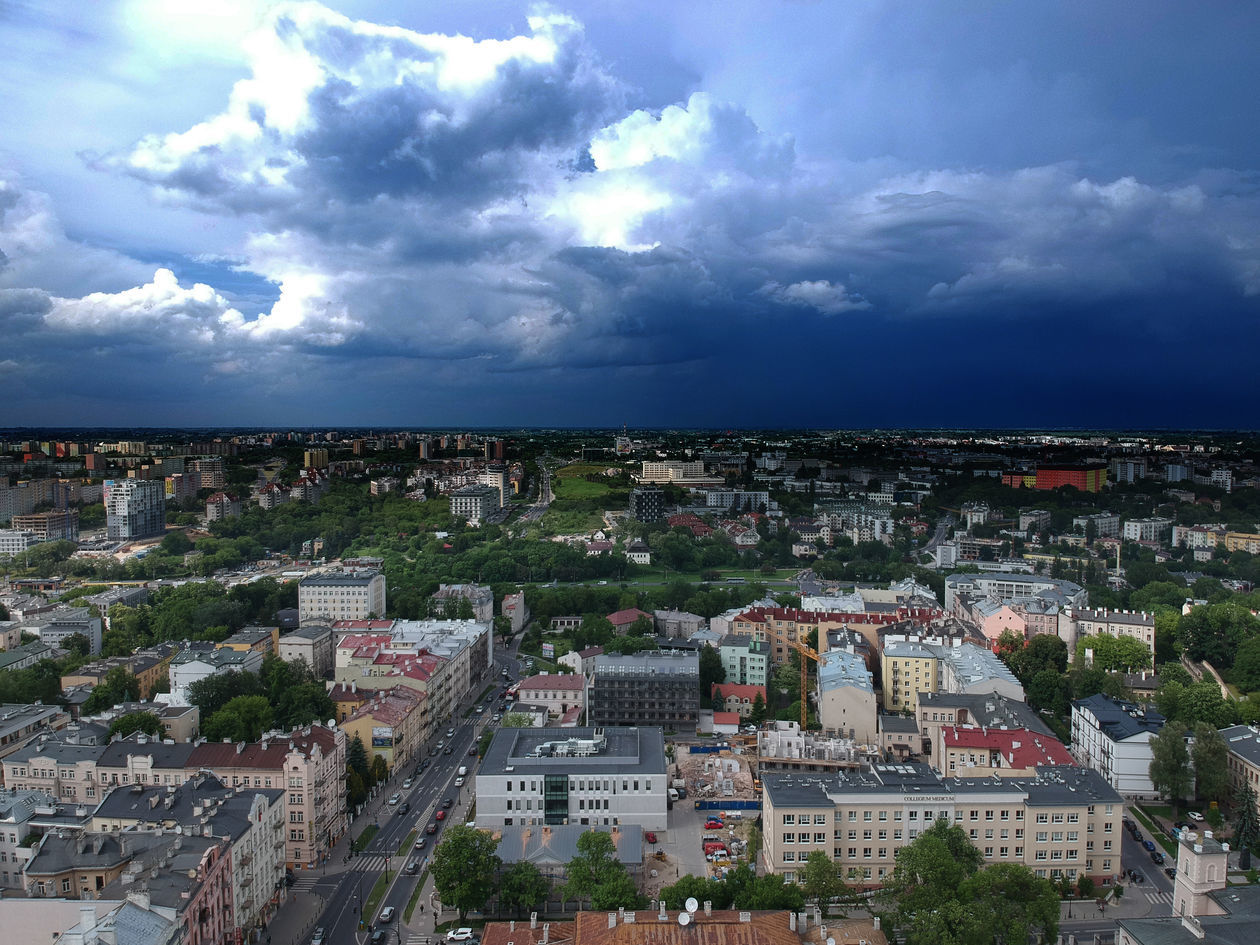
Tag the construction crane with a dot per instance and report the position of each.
(810, 653)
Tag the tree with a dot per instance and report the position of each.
(379, 769)
(820, 880)
(522, 886)
(1216, 631)
(758, 713)
(712, 671)
(243, 719)
(145, 722)
(597, 875)
(464, 868)
(517, 720)
(1210, 757)
(1170, 763)
(1246, 822)
(78, 644)
(117, 686)
(1246, 672)
(696, 887)
(1008, 904)
(357, 759)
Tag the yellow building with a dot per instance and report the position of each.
(907, 670)
(392, 724)
(1242, 541)
(261, 640)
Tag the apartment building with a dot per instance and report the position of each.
(1062, 822)
(313, 644)
(1005, 586)
(55, 627)
(17, 809)
(1000, 753)
(1077, 622)
(596, 776)
(479, 597)
(1243, 743)
(1147, 529)
(647, 504)
(745, 658)
(940, 710)
(736, 697)
(846, 697)
(474, 503)
(677, 624)
(556, 692)
(20, 723)
(134, 508)
(393, 723)
(149, 666)
(1106, 524)
(222, 505)
(653, 687)
(54, 525)
(1113, 737)
(341, 595)
(516, 610)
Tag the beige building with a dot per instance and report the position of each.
(1077, 622)
(1065, 821)
(392, 724)
(341, 595)
(313, 644)
(908, 669)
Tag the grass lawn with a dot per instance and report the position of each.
(363, 839)
(415, 895)
(405, 847)
(561, 521)
(377, 893)
(1155, 833)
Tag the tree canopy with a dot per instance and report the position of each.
(464, 868)
(596, 874)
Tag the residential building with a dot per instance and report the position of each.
(474, 503)
(1242, 541)
(677, 624)
(261, 640)
(1082, 478)
(341, 595)
(1005, 586)
(149, 666)
(581, 662)
(652, 687)
(551, 849)
(516, 610)
(393, 723)
(999, 753)
(939, 710)
(647, 504)
(17, 809)
(310, 765)
(479, 596)
(347, 698)
(222, 505)
(209, 469)
(25, 655)
(909, 668)
(638, 552)
(194, 663)
(126, 596)
(1033, 520)
(252, 821)
(313, 644)
(14, 542)
(20, 723)
(1062, 822)
(134, 508)
(557, 692)
(180, 723)
(623, 620)
(55, 627)
(604, 776)
(1113, 737)
(745, 658)
(1075, 623)
(496, 477)
(672, 471)
(315, 459)
(846, 697)
(739, 698)
(1105, 524)
(54, 525)
(1147, 529)
(1198, 536)
(1243, 743)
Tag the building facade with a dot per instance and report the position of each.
(1113, 737)
(341, 595)
(653, 687)
(134, 508)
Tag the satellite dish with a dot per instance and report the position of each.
(684, 918)
(692, 904)
(831, 941)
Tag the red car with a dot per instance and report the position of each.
(713, 825)
(440, 815)
(650, 837)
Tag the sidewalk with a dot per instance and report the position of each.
(296, 920)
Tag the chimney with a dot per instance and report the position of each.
(708, 907)
(87, 921)
(533, 920)
(612, 920)
(1192, 925)
(792, 921)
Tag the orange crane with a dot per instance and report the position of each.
(810, 653)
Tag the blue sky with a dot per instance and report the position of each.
(727, 214)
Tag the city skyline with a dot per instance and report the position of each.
(747, 216)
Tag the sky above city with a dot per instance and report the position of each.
(729, 214)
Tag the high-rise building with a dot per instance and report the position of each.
(647, 504)
(315, 459)
(134, 508)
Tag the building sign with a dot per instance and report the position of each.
(929, 799)
(382, 736)
(549, 650)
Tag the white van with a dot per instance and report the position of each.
(463, 770)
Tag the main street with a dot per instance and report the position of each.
(343, 885)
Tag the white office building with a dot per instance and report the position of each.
(1113, 737)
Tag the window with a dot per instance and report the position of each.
(883, 815)
(1042, 819)
(975, 815)
(820, 838)
(65, 885)
(820, 819)
(789, 838)
(789, 856)
(866, 816)
(789, 820)
(1056, 818)
(1003, 851)
(1042, 836)
(1041, 854)
(866, 853)
(853, 817)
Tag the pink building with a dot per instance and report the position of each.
(557, 691)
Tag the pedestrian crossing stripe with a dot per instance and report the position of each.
(1160, 897)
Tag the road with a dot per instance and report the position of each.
(346, 884)
(1156, 887)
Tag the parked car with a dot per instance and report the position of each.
(1149, 844)
(394, 799)
(472, 750)
(1194, 815)
(459, 935)
(1170, 872)
(318, 937)
(408, 783)
(446, 750)
(1157, 858)
(713, 825)
(650, 837)
(450, 733)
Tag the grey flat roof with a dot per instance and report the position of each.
(556, 846)
(794, 790)
(339, 578)
(1244, 741)
(628, 750)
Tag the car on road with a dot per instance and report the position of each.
(378, 937)
(431, 829)
(448, 803)
(459, 782)
(421, 843)
(404, 809)
(1157, 858)
(318, 937)
(446, 750)
(472, 750)
(440, 815)
(459, 935)
(1149, 844)
(412, 868)
(408, 783)
(480, 709)
(394, 799)
(387, 915)
(1170, 872)
(1194, 815)
(450, 733)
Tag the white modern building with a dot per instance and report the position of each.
(341, 595)
(55, 627)
(1147, 529)
(134, 508)
(1113, 737)
(474, 503)
(595, 776)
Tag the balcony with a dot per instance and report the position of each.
(247, 881)
(246, 859)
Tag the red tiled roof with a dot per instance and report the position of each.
(268, 754)
(725, 718)
(739, 690)
(1019, 747)
(624, 617)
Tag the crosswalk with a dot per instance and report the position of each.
(415, 938)
(1157, 897)
(372, 862)
(305, 883)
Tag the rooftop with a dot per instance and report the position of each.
(340, 579)
(592, 750)
(1119, 719)
(567, 681)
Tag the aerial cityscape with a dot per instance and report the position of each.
(498, 473)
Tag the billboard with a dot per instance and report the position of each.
(382, 736)
(549, 650)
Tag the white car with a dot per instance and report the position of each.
(459, 935)
(1194, 815)
(394, 799)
